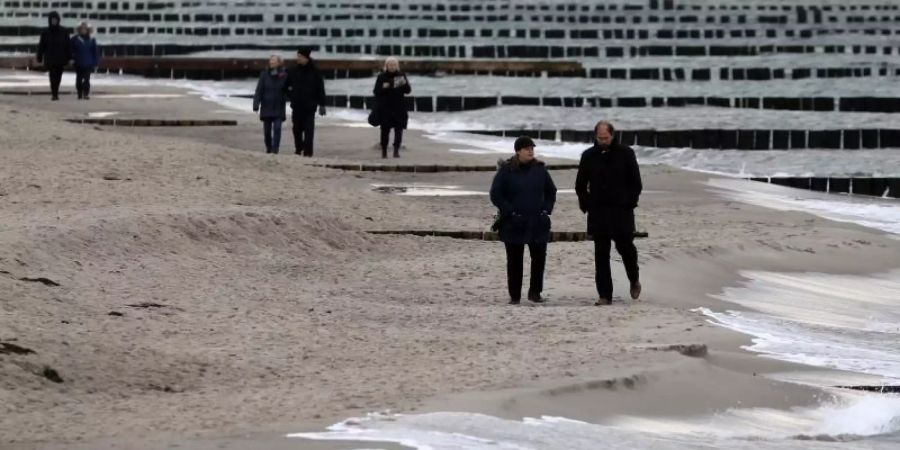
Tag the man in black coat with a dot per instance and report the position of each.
(608, 185)
(305, 88)
(54, 51)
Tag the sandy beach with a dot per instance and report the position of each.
(198, 292)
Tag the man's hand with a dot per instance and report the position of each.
(386, 85)
(322, 110)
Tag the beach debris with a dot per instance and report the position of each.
(885, 389)
(43, 280)
(166, 388)
(148, 305)
(555, 236)
(51, 374)
(115, 313)
(390, 189)
(691, 350)
(112, 177)
(13, 349)
(629, 382)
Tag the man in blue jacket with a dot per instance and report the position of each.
(54, 51)
(86, 55)
(609, 185)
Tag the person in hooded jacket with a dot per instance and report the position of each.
(609, 185)
(524, 193)
(390, 87)
(86, 55)
(54, 51)
(269, 100)
(305, 88)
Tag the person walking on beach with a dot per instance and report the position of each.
(524, 193)
(608, 185)
(305, 88)
(86, 55)
(390, 87)
(269, 100)
(54, 51)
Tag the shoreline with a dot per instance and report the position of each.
(166, 185)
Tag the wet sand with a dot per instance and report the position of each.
(249, 301)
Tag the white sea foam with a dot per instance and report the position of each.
(881, 214)
(739, 429)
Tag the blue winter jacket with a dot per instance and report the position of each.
(525, 195)
(85, 52)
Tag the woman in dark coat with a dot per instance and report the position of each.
(524, 193)
(269, 100)
(86, 55)
(390, 87)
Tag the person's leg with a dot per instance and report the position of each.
(297, 125)
(50, 78)
(79, 82)
(309, 133)
(398, 140)
(602, 274)
(538, 261)
(625, 247)
(267, 134)
(86, 86)
(276, 135)
(55, 80)
(515, 253)
(385, 137)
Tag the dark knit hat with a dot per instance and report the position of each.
(305, 51)
(523, 142)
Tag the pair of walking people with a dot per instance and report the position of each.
(304, 87)
(608, 185)
(56, 49)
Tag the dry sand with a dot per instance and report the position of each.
(277, 312)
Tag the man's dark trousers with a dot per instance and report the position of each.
(304, 126)
(55, 73)
(625, 247)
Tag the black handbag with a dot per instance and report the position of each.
(498, 220)
(374, 118)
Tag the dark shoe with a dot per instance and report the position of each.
(535, 297)
(513, 302)
(603, 301)
(54, 98)
(80, 96)
(635, 290)
(396, 153)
